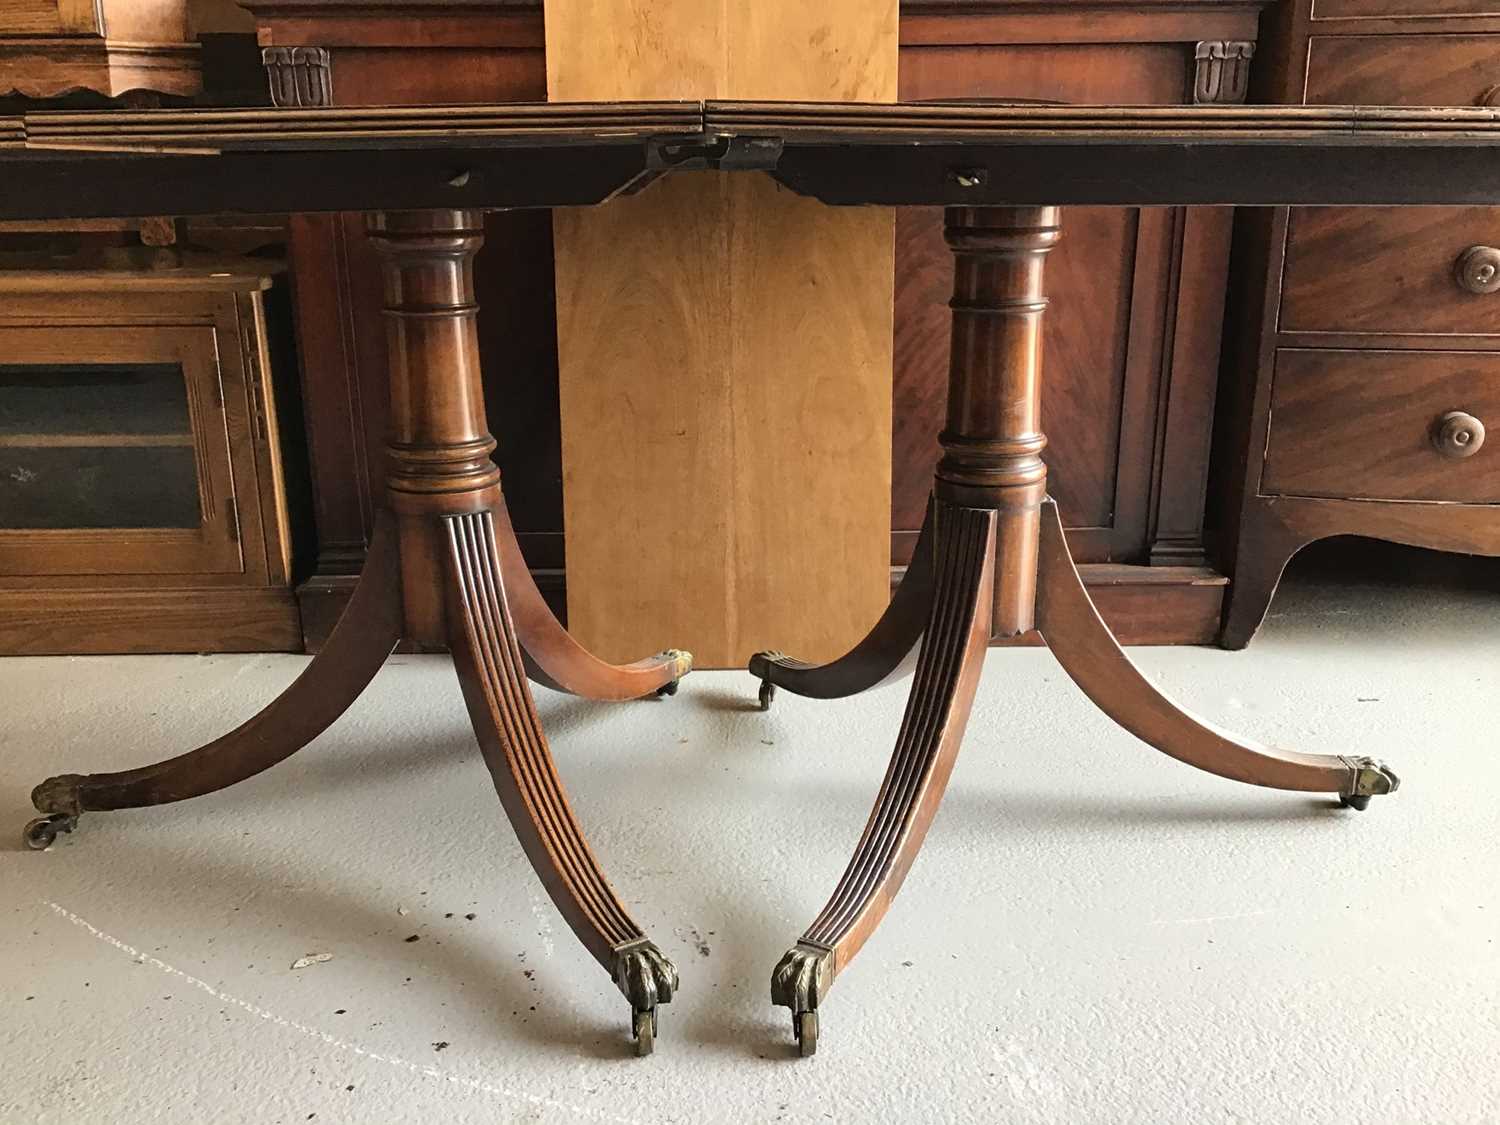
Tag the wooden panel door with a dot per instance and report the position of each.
(1117, 342)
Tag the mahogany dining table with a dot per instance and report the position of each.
(443, 566)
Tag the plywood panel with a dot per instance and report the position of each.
(724, 352)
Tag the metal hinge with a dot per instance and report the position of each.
(725, 154)
(253, 376)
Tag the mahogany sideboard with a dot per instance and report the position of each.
(1133, 350)
(1367, 363)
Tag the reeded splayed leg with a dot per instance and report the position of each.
(882, 656)
(947, 674)
(989, 484)
(490, 668)
(555, 660)
(445, 489)
(1089, 653)
(358, 646)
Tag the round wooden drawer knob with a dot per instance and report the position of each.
(1458, 435)
(1478, 269)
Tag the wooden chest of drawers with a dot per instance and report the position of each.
(1368, 363)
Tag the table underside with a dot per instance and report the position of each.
(111, 164)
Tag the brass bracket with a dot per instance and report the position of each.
(1369, 778)
(714, 153)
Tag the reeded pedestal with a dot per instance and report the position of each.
(443, 568)
(992, 561)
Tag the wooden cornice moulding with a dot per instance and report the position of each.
(387, 7)
(111, 47)
(369, 24)
(49, 68)
(952, 23)
(518, 23)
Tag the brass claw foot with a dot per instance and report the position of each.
(59, 794)
(1370, 779)
(41, 833)
(799, 982)
(646, 978)
(57, 799)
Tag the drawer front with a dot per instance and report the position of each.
(1339, 9)
(1392, 270)
(1416, 70)
(1416, 270)
(1376, 425)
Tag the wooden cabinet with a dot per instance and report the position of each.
(112, 47)
(1132, 331)
(1368, 356)
(142, 507)
(1133, 337)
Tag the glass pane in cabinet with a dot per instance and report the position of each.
(96, 446)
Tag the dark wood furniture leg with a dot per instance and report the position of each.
(1002, 568)
(1279, 529)
(882, 656)
(554, 659)
(437, 574)
(1257, 573)
(1087, 650)
(357, 647)
(445, 490)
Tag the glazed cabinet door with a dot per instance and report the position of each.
(114, 453)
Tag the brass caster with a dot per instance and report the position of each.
(1370, 779)
(644, 1028)
(646, 979)
(668, 689)
(805, 1026)
(41, 833)
(767, 694)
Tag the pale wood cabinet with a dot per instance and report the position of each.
(111, 47)
(142, 502)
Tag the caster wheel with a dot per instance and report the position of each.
(767, 693)
(806, 1026)
(668, 689)
(644, 1027)
(1358, 803)
(41, 833)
